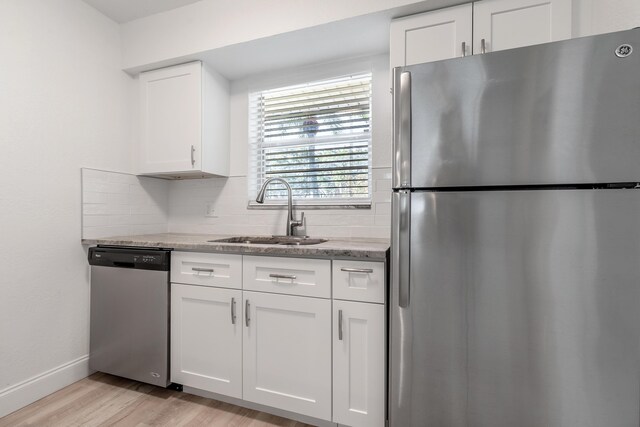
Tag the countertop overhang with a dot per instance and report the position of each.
(375, 249)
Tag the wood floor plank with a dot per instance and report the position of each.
(104, 400)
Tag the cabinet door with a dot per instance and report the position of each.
(206, 338)
(359, 364)
(507, 24)
(287, 353)
(431, 36)
(171, 119)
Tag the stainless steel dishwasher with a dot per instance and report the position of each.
(130, 313)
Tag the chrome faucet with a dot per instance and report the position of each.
(292, 222)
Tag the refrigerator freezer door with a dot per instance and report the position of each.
(524, 311)
(558, 113)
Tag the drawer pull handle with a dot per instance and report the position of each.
(282, 276)
(246, 313)
(202, 270)
(233, 311)
(357, 270)
(340, 325)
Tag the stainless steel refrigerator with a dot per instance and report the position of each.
(515, 298)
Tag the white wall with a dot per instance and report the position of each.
(64, 104)
(211, 24)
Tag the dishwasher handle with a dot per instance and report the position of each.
(124, 264)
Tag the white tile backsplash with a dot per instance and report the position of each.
(123, 204)
(188, 201)
(120, 204)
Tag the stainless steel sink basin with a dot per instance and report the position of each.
(271, 240)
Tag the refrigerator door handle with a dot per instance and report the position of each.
(400, 246)
(401, 128)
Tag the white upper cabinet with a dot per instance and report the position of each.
(476, 28)
(507, 24)
(184, 122)
(432, 36)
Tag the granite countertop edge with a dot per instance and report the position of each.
(333, 248)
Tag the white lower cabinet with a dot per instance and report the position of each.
(206, 338)
(309, 355)
(359, 364)
(287, 353)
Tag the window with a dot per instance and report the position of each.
(317, 136)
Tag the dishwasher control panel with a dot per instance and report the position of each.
(138, 258)
(148, 259)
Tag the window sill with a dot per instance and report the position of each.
(310, 205)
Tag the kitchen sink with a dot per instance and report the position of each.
(271, 240)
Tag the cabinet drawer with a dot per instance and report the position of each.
(294, 276)
(205, 269)
(359, 281)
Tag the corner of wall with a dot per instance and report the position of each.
(121, 204)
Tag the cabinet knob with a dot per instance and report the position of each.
(193, 156)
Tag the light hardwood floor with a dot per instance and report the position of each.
(105, 400)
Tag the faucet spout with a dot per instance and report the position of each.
(292, 222)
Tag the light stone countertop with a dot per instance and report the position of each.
(375, 249)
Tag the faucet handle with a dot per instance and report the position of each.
(298, 222)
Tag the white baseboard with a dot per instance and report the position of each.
(35, 388)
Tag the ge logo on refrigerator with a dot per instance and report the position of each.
(624, 50)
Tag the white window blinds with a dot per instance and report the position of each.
(317, 136)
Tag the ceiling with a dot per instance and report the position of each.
(123, 11)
